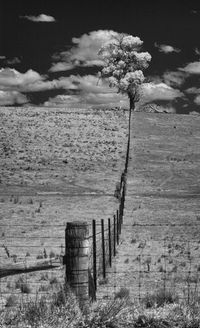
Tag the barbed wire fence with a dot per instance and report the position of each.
(31, 265)
(97, 263)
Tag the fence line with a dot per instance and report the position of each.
(89, 258)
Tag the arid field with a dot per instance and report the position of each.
(62, 165)
(57, 165)
(160, 239)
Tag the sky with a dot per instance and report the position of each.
(49, 52)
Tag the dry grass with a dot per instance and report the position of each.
(54, 163)
(63, 310)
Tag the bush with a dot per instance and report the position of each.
(11, 301)
(25, 288)
(122, 293)
(58, 310)
(160, 298)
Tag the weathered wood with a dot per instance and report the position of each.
(110, 242)
(76, 258)
(103, 249)
(117, 229)
(114, 235)
(28, 266)
(94, 245)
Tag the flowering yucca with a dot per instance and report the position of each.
(124, 65)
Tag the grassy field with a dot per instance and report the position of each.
(57, 165)
(62, 165)
(163, 195)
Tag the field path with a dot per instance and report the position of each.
(162, 210)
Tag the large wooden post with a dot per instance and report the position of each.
(77, 258)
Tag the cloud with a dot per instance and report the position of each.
(88, 91)
(11, 79)
(174, 78)
(42, 18)
(84, 52)
(81, 89)
(197, 51)
(193, 90)
(61, 66)
(191, 68)
(12, 98)
(2, 57)
(13, 61)
(83, 100)
(161, 91)
(197, 100)
(166, 48)
(63, 100)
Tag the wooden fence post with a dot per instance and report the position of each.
(117, 221)
(103, 249)
(94, 253)
(76, 258)
(114, 236)
(109, 243)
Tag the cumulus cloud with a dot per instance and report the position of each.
(13, 61)
(193, 90)
(191, 68)
(42, 18)
(84, 52)
(63, 100)
(83, 100)
(82, 89)
(11, 79)
(61, 66)
(161, 91)
(197, 100)
(88, 91)
(12, 98)
(166, 48)
(174, 78)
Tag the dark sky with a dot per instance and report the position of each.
(26, 44)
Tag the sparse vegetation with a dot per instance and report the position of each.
(52, 255)
(62, 310)
(122, 293)
(160, 298)
(11, 301)
(103, 281)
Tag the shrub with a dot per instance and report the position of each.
(25, 288)
(122, 293)
(19, 282)
(160, 298)
(103, 281)
(43, 288)
(52, 255)
(11, 301)
(53, 280)
(44, 276)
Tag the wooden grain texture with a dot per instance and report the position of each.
(76, 258)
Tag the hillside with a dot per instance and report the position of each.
(160, 241)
